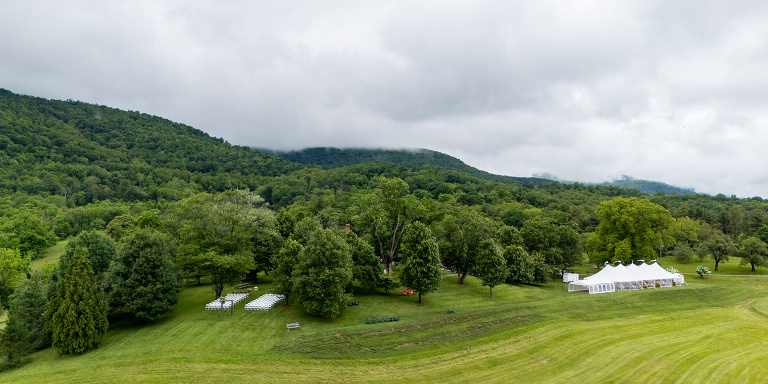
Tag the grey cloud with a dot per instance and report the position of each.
(670, 91)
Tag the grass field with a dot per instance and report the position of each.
(50, 257)
(713, 330)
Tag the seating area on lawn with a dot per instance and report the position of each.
(230, 300)
(264, 302)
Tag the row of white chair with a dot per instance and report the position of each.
(215, 305)
(229, 300)
(264, 302)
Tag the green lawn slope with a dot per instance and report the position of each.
(713, 330)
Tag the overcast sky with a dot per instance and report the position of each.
(673, 91)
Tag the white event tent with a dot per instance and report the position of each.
(631, 277)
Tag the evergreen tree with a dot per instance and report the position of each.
(101, 250)
(143, 280)
(80, 320)
(421, 265)
(324, 270)
(24, 332)
(491, 265)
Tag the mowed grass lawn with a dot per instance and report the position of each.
(713, 330)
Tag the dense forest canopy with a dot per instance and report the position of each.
(68, 166)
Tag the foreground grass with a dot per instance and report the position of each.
(713, 330)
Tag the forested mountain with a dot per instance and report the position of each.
(644, 186)
(73, 166)
(77, 154)
(90, 153)
(648, 186)
(327, 157)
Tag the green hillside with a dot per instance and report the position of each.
(91, 153)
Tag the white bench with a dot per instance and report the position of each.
(292, 326)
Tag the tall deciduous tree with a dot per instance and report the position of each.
(754, 252)
(323, 272)
(219, 235)
(719, 246)
(630, 228)
(421, 260)
(461, 233)
(558, 243)
(491, 266)
(386, 214)
(285, 263)
(366, 267)
(525, 267)
(142, 279)
(79, 320)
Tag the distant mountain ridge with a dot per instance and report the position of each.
(629, 182)
(329, 157)
(648, 186)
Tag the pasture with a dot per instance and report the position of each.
(713, 330)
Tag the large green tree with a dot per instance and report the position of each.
(629, 229)
(30, 234)
(366, 267)
(461, 232)
(220, 235)
(754, 252)
(79, 320)
(12, 264)
(285, 262)
(491, 265)
(142, 279)
(557, 242)
(323, 272)
(24, 331)
(421, 260)
(719, 246)
(524, 267)
(101, 250)
(385, 214)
